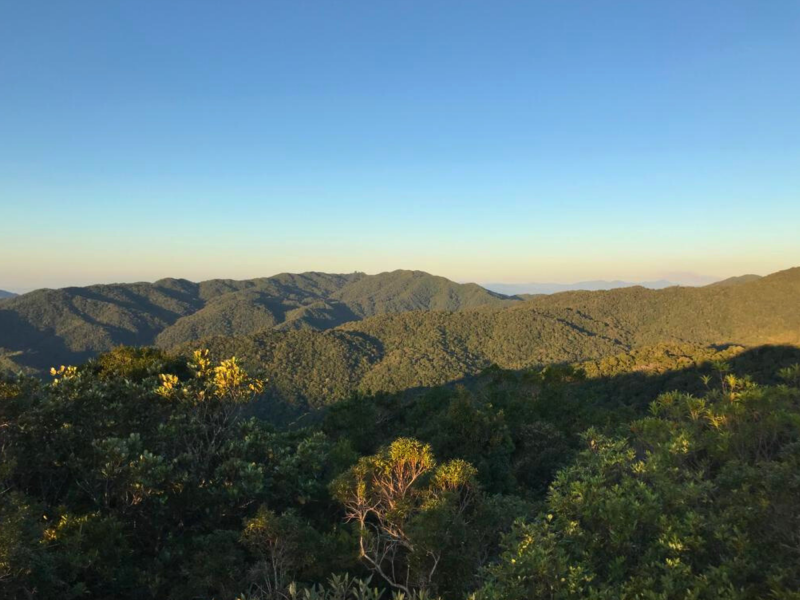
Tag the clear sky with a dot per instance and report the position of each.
(480, 140)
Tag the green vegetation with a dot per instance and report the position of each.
(400, 436)
(314, 335)
(702, 502)
(49, 327)
(405, 351)
(663, 472)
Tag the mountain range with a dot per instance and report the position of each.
(320, 337)
(532, 289)
(5, 294)
(45, 327)
(394, 352)
(595, 285)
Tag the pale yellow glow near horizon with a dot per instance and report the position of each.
(86, 269)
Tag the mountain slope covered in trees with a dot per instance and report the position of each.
(737, 280)
(419, 349)
(322, 337)
(47, 327)
(615, 443)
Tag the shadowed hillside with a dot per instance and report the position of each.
(422, 349)
(766, 310)
(388, 331)
(48, 327)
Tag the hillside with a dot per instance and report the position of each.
(321, 337)
(402, 291)
(5, 294)
(421, 349)
(737, 280)
(766, 310)
(391, 353)
(120, 483)
(50, 327)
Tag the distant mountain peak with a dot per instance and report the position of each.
(533, 288)
(741, 279)
(5, 294)
(416, 319)
(78, 322)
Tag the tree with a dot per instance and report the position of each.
(701, 504)
(406, 509)
(283, 545)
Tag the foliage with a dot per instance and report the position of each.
(421, 526)
(323, 337)
(71, 325)
(702, 503)
(120, 487)
(343, 587)
(141, 475)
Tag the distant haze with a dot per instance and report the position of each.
(508, 288)
(513, 289)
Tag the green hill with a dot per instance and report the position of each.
(321, 337)
(766, 310)
(737, 280)
(401, 291)
(49, 327)
(427, 348)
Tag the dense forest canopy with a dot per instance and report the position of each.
(46, 327)
(665, 472)
(401, 351)
(323, 337)
(353, 437)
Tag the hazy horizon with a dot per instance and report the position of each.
(676, 278)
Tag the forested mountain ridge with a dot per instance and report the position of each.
(394, 352)
(47, 327)
(391, 353)
(386, 332)
(766, 310)
(737, 280)
(147, 473)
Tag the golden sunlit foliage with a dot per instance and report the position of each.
(668, 471)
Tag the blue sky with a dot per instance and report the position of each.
(486, 141)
